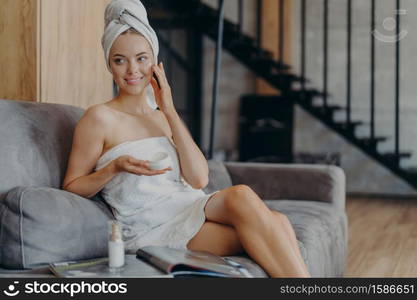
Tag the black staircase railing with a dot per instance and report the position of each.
(325, 50)
(248, 50)
(397, 80)
(240, 15)
(259, 24)
(281, 36)
(219, 46)
(349, 63)
(372, 109)
(303, 25)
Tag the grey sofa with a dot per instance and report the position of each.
(41, 223)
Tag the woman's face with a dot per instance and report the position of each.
(131, 59)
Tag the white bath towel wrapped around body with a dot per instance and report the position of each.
(154, 210)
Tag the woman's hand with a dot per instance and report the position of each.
(163, 95)
(132, 165)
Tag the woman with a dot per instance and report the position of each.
(114, 141)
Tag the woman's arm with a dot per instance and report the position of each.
(194, 166)
(88, 142)
(89, 185)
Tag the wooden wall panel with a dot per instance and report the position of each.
(18, 49)
(270, 36)
(73, 69)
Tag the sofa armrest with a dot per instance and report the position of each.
(291, 181)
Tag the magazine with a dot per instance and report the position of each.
(188, 263)
(133, 268)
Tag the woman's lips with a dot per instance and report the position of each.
(133, 81)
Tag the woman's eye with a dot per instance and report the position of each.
(119, 61)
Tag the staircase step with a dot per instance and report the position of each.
(299, 87)
(306, 96)
(328, 110)
(372, 142)
(248, 52)
(262, 56)
(237, 40)
(284, 80)
(349, 126)
(393, 158)
(278, 67)
(269, 65)
(262, 64)
(401, 154)
(232, 27)
(411, 173)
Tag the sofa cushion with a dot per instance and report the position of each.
(219, 177)
(35, 143)
(41, 225)
(322, 230)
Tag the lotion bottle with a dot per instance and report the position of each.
(116, 246)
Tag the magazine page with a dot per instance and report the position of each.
(160, 263)
(133, 268)
(176, 261)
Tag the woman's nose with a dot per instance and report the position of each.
(133, 68)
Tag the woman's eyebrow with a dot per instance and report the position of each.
(124, 56)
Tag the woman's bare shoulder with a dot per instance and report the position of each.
(165, 123)
(99, 114)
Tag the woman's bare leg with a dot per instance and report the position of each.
(260, 232)
(216, 238)
(291, 234)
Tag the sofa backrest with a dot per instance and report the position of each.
(35, 143)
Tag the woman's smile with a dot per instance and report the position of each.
(133, 81)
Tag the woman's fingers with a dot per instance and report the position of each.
(139, 170)
(142, 167)
(150, 172)
(160, 73)
(162, 67)
(157, 72)
(162, 171)
(139, 163)
(155, 86)
(154, 83)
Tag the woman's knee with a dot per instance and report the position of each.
(239, 196)
(241, 201)
(281, 217)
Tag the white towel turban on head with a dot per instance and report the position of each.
(119, 16)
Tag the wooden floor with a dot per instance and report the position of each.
(382, 237)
